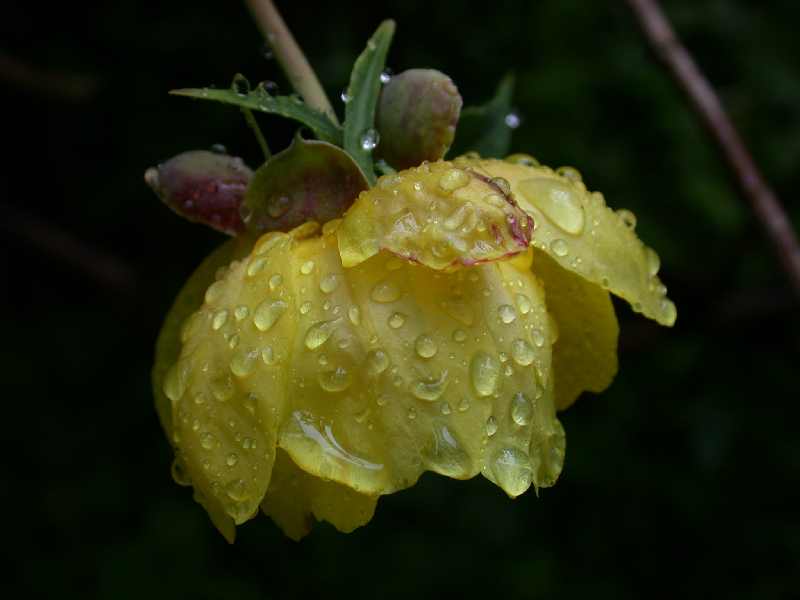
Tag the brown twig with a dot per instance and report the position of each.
(106, 270)
(290, 56)
(684, 70)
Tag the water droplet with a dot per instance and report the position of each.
(521, 409)
(220, 318)
(268, 356)
(502, 184)
(522, 159)
(305, 307)
(512, 469)
(453, 179)
(570, 173)
(445, 408)
(377, 362)
(218, 149)
(335, 380)
(446, 455)
(268, 313)
(179, 473)
(221, 387)
(425, 346)
(668, 311)
(243, 362)
(233, 341)
(653, 261)
(370, 140)
(329, 283)
(412, 413)
(430, 389)
(557, 201)
(231, 459)
(627, 217)
(484, 370)
(255, 266)
(345, 96)
(464, 405)
(268, 88)
(354, 313)
(215, 292)
(386, 76)
(382, 400)
(241, 312)
(237, 491)
(266, 50)
(385, 291)
(275, 281)
(240, 85)
(522, 352)
(512, 120)
(207, 440)
(319, 333)
(459, 336)
(559, 247)
(307, 267)
(507, 313)
(491, 426)
(174, 384)
(266, 243)
(523, 303)
(397, 320)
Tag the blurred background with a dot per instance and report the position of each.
(682, 480)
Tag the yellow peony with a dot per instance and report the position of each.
(438, 326)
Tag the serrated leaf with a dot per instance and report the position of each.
(483, 129)
(284, 106)
(363, 91)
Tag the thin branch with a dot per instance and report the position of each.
(290, 56)
(763, 201)
(107, 270)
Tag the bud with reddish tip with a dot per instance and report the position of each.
(417, 116)
(203, 187)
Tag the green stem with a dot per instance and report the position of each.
(290, 56)
(253, 124)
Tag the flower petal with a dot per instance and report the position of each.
(438, 215)
(585, 353)
(295, 498)
(583, 235)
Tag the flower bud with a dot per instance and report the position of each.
(203, 187)
(417, 116)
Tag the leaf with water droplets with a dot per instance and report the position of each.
(363, 91)
(484, 129)
(284, 106)
(309, 181)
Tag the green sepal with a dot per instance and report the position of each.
(483, 129)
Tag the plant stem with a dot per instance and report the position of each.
(290, 56)
(763, 201)
(250, 118)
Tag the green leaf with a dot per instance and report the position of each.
(309, 181)
(483, 129)
(285, 106)
(363, 91)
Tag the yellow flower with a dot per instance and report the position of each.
(438, 326)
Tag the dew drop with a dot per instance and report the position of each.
(307, 267)
(231, 459)
(345, 96)
(512, 120)
(221, 387)
(426, 346)
(256, 265)
(179, 473)
(268, 313)
(445, 408)
(491, 426)
(628, 218)
(453, 179)
(243, 362)
(319, 333)
(570, 173)
(220, 318)
(523, 303)
(207, 440)
(557, 201)
(522, 159)
(241, 312)
(521, 409)
(484, 371)
(370, 140)
(559, 247)
(397, 320)
(512, 469)
(386, 76)
(335, 380)
(522, 352)
(430, 389)
(653, 261)
(502, 184)
(377, 362)
(537, 336)
(275, 281)
(354, 314)
(240, 85)
(459, 336)
(463, 406)
(385, 291)
(329, 283)
(507, 313)
(305, 307)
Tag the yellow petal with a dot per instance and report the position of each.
(295, 498)
(438, 215)
(583, 235)
(585, 354)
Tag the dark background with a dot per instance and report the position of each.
(682, 480)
